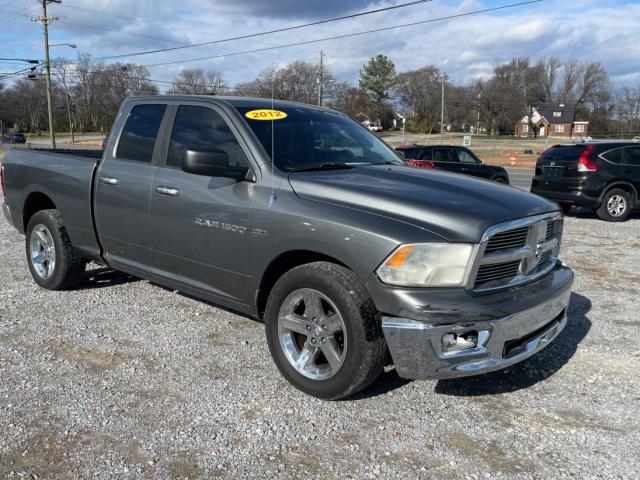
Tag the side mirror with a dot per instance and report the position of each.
(211, 163)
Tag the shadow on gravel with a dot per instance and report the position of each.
(387, 382)
(105, 277)
(533, 370)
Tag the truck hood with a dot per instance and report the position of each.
(459, 208)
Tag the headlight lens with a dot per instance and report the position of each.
(428, 265)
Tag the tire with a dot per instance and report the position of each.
(500, 180)
(616, 206)
(57, 266)
(360, 345)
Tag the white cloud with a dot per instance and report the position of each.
(465, 48)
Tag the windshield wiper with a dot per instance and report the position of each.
(320, 166)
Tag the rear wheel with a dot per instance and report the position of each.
(500, 180)
(53, 262)
(616, 206)
(324, 332)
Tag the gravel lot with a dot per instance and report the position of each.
(124, 379)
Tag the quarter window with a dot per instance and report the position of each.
(203, 129)
(614, 156)
(139, 133)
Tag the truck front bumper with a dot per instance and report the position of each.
(506, 327)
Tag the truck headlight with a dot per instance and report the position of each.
(428, 265)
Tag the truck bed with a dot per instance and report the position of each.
(65, 176)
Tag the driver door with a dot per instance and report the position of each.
(200, 224)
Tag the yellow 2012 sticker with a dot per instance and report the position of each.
(265, 114)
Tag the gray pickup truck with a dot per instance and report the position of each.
(302, 218)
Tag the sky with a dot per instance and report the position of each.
(465, 48)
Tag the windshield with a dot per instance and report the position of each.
(308, 137)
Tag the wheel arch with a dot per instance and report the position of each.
(34, 203)
(282, 264)
(622, 185)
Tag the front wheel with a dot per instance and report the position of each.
(324, 332)
(616, 206)
(53, 262)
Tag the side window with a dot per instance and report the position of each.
(466, 157)
(614, 156)
(203, 129)
(442, 155)
(426, 154)
(632, 156)
(139, 133)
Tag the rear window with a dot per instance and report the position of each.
(564, 153)
(409, 153)
(139, 133)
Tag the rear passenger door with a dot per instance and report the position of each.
(444, 159)
(123, 189)
(200, 225)
(631, 159)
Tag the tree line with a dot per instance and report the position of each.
(87, 94)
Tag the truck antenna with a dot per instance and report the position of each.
(272, 198)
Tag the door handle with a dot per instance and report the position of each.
(170, 191)
(109, 180)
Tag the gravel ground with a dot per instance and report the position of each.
(124, 379)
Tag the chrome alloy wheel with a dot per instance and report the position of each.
(616, 205)
(312, 334)
(43, 251)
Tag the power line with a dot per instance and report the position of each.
(279, 30)
(76, 21)
(348, 35)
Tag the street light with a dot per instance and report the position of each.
(72, 45)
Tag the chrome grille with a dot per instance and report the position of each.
(497, 271)
(508, 240)
(544, 258)
(551, 229)
(516, 252)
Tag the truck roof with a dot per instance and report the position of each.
(233, 101)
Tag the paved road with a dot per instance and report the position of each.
(521, 177)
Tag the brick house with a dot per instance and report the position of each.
(552, 120)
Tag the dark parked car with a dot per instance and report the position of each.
(299, 217)
(14, 138)
(452, 159)
(604, 176)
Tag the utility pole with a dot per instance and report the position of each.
(321, 79)
(442, 114)
(45, 21)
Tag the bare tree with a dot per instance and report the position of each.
(420, 92)
(549, 71)
(352, 101)
(297, 82)
(195, 81)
